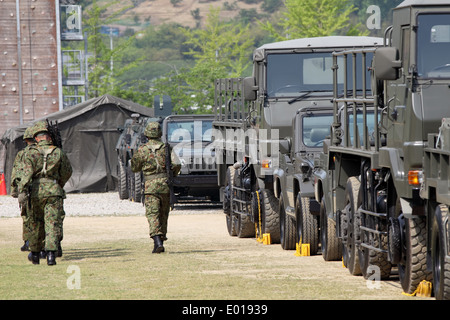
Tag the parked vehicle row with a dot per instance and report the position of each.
(344, 143)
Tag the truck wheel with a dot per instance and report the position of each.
(439, 257)
(351, 225)
(137, 187)
(122, 180)
(227, 205)
(130, 183)
(270, 216)
(331, 244)
(287, 229)
(307, 224)
(369, 258)
(245, 227)
(413, 269)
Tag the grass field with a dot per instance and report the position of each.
(109, 258)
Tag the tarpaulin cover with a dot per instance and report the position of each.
(89, 133)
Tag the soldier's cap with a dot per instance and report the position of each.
(40, 127)
(28, 134)
(153, 130)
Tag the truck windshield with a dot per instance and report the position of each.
(290, 74)
(316, 127)
(433, 45)
(184, 131)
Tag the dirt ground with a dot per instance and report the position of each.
(202, 239)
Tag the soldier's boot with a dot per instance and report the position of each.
(51, 258)
(43, 254)
(34, 257)
(25, 246)
(158, 247)
(59, 251)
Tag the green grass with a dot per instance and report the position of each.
(118, 265)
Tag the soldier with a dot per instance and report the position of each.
(17, 166)
(46, 169)
(150, 158)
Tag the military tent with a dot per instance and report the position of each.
(90, 133)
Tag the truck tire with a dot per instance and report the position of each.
(137, 187)
(439, 254)
(331, 244)
(414, 267)
(369, 258)
(307, 224)
(130, 182)
(122, 180)
(271, 217)
(350, 225)
(245, 227)
(287, 229)
(227, 205)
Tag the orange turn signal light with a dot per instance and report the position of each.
(415, 177)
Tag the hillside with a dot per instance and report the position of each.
(157, 12)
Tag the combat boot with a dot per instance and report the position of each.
(34, 257)
(25, 247)
(59, 252)
(51, 258)
(158, 248)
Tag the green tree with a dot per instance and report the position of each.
(103, 75)
(313, 18)
(220, 49)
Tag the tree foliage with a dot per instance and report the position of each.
(313, 18)
(183, 62)
(103, 77)
(220, 49)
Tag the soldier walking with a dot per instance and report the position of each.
(150, 158)
(17, 167)
(45, 171)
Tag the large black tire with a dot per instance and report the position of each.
(138, 192)
(368, 258)
(288, 237)
(270, 218)
(413, 269)
(130, 182)
(307, 225)
(227, 204)
(245, 227)
(351, 226)
(331, 244)
(439, 257)
(122, 180)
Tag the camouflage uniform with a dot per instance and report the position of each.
(46, 169)
(17, 167)
(150, 158)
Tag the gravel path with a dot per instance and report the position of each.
(106, 204)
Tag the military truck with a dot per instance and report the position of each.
(253, 129)
(435, 191)
(370, 179)
(131, 137)
(190, 137)
(293, 179)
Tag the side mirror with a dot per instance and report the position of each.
(285, 145)
(250, 88)
(386, 63)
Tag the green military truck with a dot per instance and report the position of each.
(435, 190)
(190, 137)
(253, 129)
(131, 137)
(293, 179)
(369, 178)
